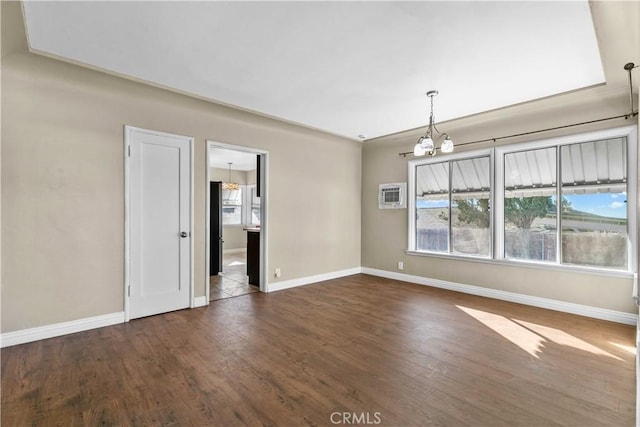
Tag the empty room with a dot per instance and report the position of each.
(319, 213)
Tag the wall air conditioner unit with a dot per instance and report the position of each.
(392, 196)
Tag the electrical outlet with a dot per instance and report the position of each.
(277, 273)
(400, 265)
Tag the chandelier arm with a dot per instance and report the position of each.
(438, 130)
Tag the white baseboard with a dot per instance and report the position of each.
(49, 331)
(234, 251)
(567, 307)
(199, 301)
(286, 284)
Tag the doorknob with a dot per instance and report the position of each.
(183, 234)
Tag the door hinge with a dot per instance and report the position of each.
(129, 291)
(129, 150)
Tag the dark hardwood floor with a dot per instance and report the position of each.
(375, 349)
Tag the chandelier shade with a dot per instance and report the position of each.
(447, 145)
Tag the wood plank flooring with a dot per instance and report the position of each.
(361, 347)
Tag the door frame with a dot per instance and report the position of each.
(218, 188)
(264, 177)
(127, 211)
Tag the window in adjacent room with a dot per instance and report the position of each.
(252, 206)
(255, 207)
(232, 207)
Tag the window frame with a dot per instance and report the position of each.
(248, 205)
(235, 205)
(411, 201)
(628, 132)
(498, 200)
(497, 180)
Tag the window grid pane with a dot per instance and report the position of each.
(530, 223)
(470, 207)
(594, 211)
(255, 207)
(432, 207)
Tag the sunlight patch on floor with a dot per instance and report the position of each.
(522, 337)
(531, 337)
(627, 348)
(234, 263)
(563, 338)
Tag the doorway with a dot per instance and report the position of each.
(236, 220)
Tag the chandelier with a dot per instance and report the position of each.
(230, 185)
(426, 144)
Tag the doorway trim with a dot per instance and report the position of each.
(264, 179)
(127, 130)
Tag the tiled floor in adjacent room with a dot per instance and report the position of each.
(233, 281)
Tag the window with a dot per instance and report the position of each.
(241, 207)
(232, 207)
(594, 194)
(432, 207)
(471, 207)
(581, 221)
(452, 203)
(255, 207)
(252, 204)
(564, 201)
(529, 205)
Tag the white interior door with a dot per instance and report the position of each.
(159, 222)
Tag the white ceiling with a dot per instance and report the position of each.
(240, 160)
(348, 68)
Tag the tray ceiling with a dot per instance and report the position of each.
(355, 69)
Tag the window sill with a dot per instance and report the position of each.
(527, 264)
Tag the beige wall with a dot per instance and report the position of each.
(252, 177)
(219, 174)
(384, 232)
(62, 184)
(234, 238)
